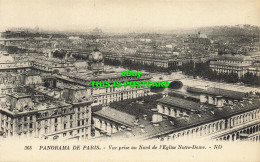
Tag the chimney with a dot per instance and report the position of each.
(129, 129)
(203, 98)
(164, 117)
(186, 117)
(156, 117)
(165, 94)
(50, 55)
(250, 100)
(104, 106)
(16, 111)
(145, 117)
(219, 101)
(123, 127)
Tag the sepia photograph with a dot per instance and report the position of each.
(129, 80)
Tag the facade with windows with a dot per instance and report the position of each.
(22, 117)
(105, 95)
(231, 64)
(179, 119)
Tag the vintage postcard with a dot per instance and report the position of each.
(129, 80)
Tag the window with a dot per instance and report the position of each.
(71, 116)
(56, 120)
(64, 126)
(55, 128)
(31, 125)
(78, 123)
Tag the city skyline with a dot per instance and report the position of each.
(126, 16)
(129, 79)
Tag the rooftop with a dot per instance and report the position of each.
(47, 91)
(36, 107)
(177, 124)
(50, 105)
(103, 76)
(218, 92)
(146, 131)
(116, 116)
(181, 103)
(233, 58)
(18, 95)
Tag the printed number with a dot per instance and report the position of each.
(27, 147)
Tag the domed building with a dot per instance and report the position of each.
(96, 56)
(96, 61)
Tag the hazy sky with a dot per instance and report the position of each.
(121, 15)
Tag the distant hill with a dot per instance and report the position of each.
(231, 31)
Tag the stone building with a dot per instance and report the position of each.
(177, 119)
(23, 117)
(231, 64)
(105, 95)
(109, 121)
